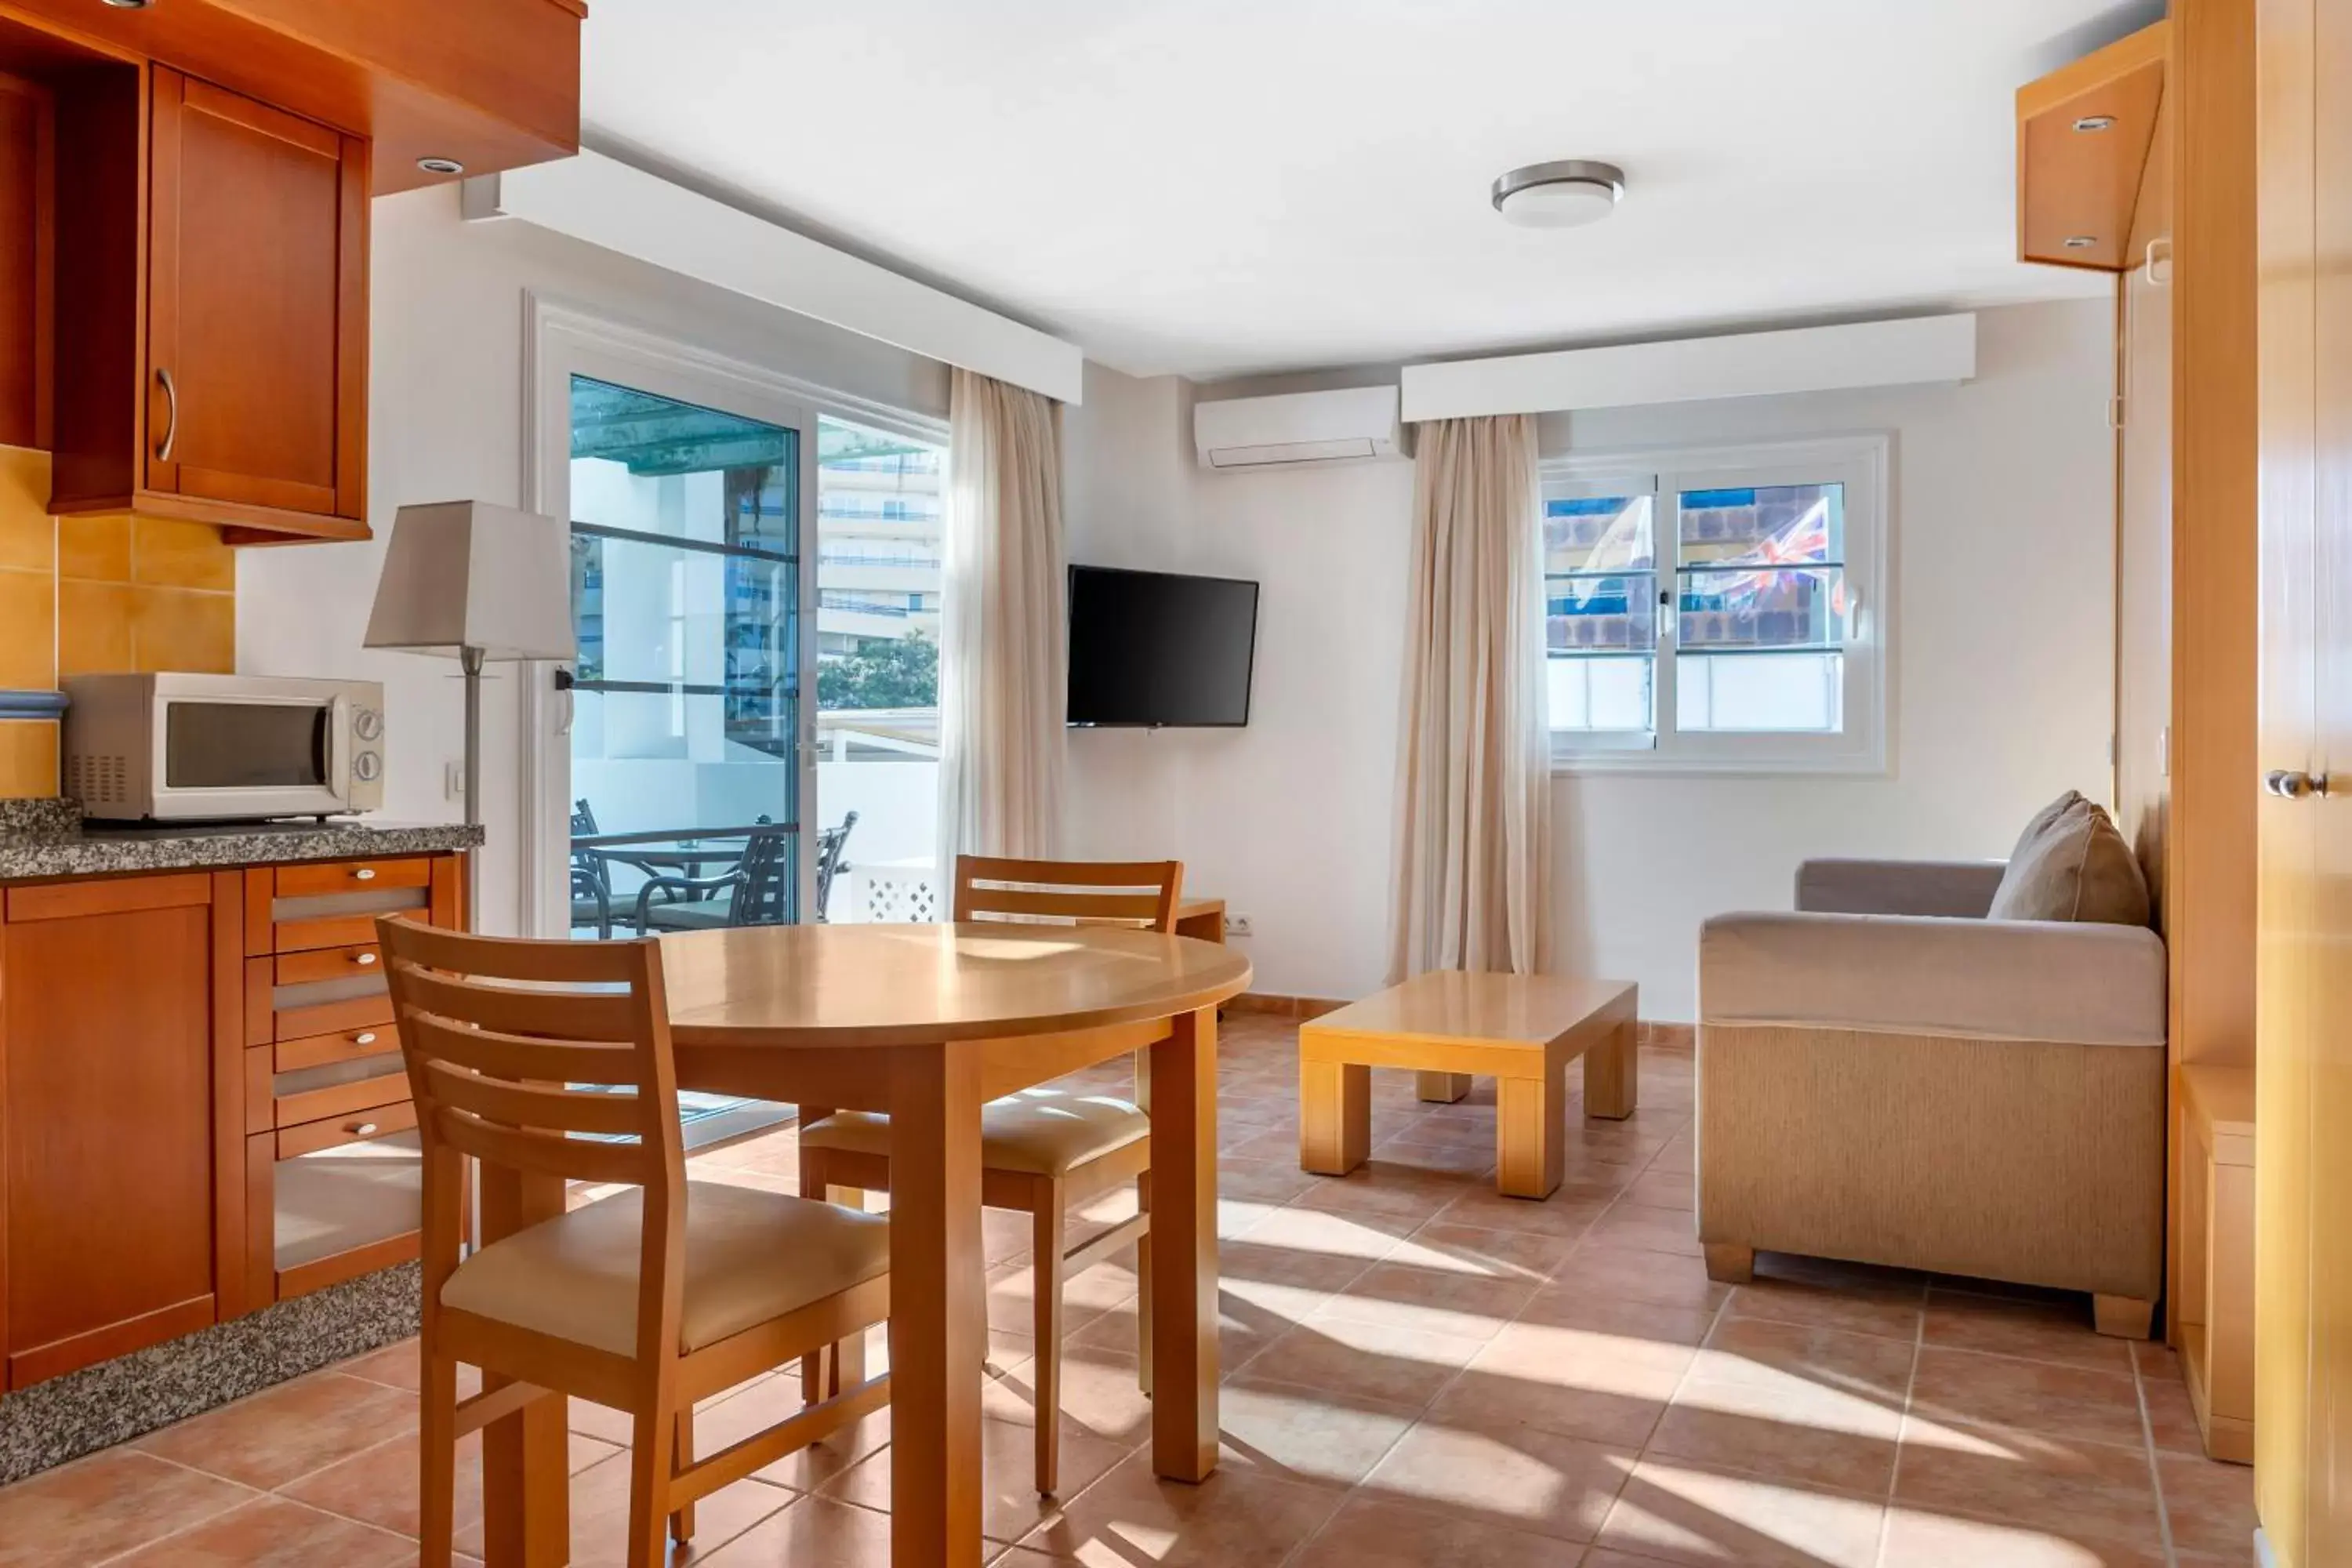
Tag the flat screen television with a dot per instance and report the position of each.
(1154, 649)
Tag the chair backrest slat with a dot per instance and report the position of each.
(522, 1058)
(1130, 893)
(534, 1106)
(1084, 908)
(539, 1153)
(590, 1015)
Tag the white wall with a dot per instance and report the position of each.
(446, 423)
(2003, 563)
(2004, 664)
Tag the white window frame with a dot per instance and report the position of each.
(1862, 464)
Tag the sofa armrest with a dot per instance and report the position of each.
(2016, 979)
(1961, 889)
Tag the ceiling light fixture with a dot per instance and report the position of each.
(2080, 241)
(441, 165)
(1565, 195)
(2096, 122)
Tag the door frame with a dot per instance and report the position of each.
(561, 339)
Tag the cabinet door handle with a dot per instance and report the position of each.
(364, 874)
(363, 959)
(365, 1038)
(2294, 784)
(360, 1129)
(171, 401)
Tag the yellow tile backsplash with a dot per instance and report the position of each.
(96, 548)
(81, 596)
(176, 628)
(28, 631)
(181, 555)
(28, 534)
(28, 757)
(94, 624)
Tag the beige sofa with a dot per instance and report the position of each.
(1888, 1077)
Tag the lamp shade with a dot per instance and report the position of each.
(464, 574)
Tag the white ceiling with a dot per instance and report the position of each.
(1214, 187)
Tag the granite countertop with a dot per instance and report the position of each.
(49, 838)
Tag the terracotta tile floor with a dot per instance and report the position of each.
(1417, 1373)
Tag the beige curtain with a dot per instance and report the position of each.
(1002, 688)
(1474, 785)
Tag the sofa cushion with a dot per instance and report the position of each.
(2043, 821)
(2072, 864)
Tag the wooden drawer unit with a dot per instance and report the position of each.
(334, 1131)
(350, 1127)
(345, 1196)
(343, 1045)
(334, 904)
(313, 878)
(357, 961)
(332, 1174)
(350, 1000)
(336, 1088)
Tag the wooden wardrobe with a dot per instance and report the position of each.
(2302, 1435)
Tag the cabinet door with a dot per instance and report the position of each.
(107, 1114)
(256, 328)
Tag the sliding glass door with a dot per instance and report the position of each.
(691, 766)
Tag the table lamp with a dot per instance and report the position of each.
(475, 581)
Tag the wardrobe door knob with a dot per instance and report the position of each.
(2294, 784)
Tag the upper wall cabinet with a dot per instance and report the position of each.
(257, 308)
(491, 84)
(184, 231)
(2084, 136)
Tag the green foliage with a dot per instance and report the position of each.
(885, 672)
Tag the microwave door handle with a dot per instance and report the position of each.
(334, 747)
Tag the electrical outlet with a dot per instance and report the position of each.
(1237, 925)
(452, 779)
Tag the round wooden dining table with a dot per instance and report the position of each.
(929, 1022)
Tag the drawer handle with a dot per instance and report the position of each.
(359, 1129)
(366, 1039)
(364, 874)
(363, 959)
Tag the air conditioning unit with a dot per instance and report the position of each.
(1299, 427)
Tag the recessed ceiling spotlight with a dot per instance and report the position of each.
(2096, 122)
(441, 165)
(1565, 195)
(2080, 241)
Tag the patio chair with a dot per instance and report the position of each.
(592, 877)
(829, 863)
(755, 891)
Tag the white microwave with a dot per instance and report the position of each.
(222, 747)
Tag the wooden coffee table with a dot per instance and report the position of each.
(1522, 1030)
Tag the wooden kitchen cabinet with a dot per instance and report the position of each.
(184, 231)
(198, 1115)
(239, 397)
(257, 307)
(110, 1115)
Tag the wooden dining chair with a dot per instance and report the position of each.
(1039, 1154)
(551, 1059)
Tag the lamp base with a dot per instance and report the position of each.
(470, 660)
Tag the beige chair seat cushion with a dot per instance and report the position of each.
(1043, 1135)
(751, 1255)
